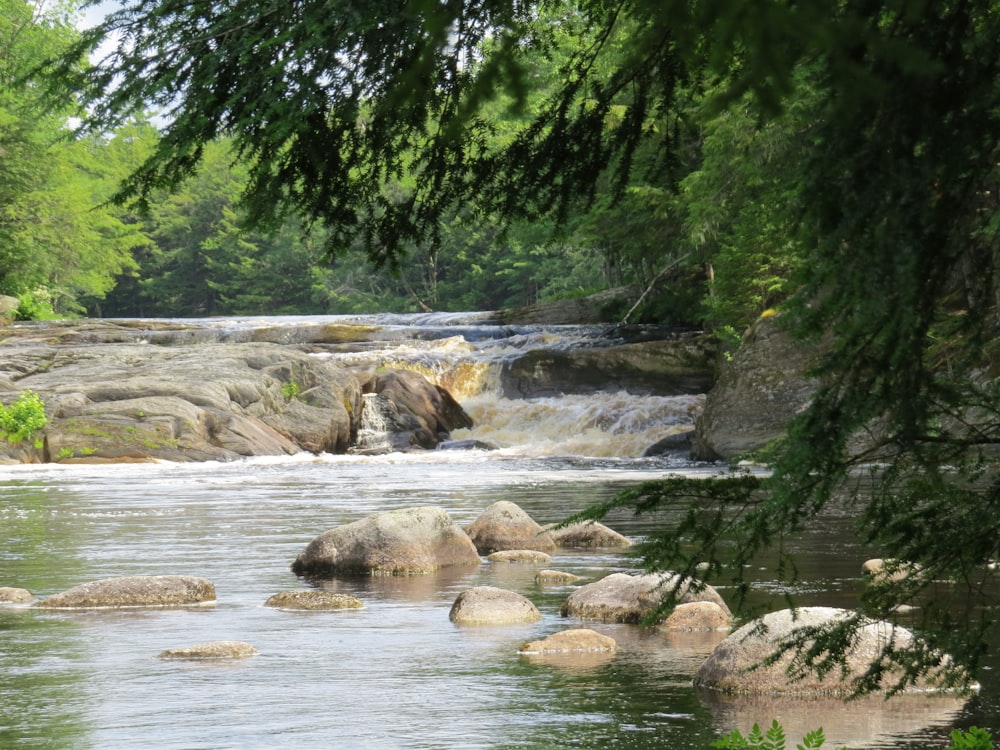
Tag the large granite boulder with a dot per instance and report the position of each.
(575, 640)
(489, 605)
(134, 591)
(739, 663)
(133, 401)
(412, 411)
(758, 391)
(506, 526)
(407, 541)
(623, 597)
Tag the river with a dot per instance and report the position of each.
(396, 673)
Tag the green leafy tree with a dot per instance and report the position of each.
(378, 125)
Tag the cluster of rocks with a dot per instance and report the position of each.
(418, 541)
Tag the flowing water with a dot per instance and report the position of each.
(397, 673)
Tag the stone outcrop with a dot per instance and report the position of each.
(756, 394)
(571, 641)
(134, 591)
(506, 526)
(488, 605)
(211, 650)
(312, 599)
(587, 535)
(408, 541)
(622, 597)
(737, 665)
(136, 401)
(681, 365)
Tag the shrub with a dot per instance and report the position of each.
(774, 739)
(23, 418)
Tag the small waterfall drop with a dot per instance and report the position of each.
(373, 435)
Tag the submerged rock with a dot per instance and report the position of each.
(505, 526)
(556, 576)
(134, 591)
(622, 597)
(568, 641)
(211, 650)
(313, 599)
(11, 595)
(488, 605)
(408, 541)
(525, 556)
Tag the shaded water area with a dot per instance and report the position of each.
(397, 673)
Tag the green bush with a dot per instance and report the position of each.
(774, 739)
(23, 418)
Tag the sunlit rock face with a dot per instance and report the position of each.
(134, 591)
(621, 597)
(489, 605)
(738, 664)
(407, 541)
(506, 526)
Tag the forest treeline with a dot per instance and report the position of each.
(708, 230)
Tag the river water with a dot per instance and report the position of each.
(397, 673)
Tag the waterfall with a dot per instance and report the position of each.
(373, 434)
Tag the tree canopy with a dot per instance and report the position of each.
(851, 148)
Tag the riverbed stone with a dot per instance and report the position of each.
(407, 541)
(506, 526)
(698, 616)
(624, 597)
(13, 595)
(737, 664)
(572, 640)
(489, 605)
(313, 599)
(560, 577)
(134, 591)
(522, 556)
(587, 535)
(211, 650)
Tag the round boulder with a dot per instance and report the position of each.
(312, 599)
(409, 541)
(11, 595)
(698, 616)
(211, 650)
(737, 664)
(503, 526)
(488, 605)
(588, 535)
(134, 591)
(576, 640)
(622, 597)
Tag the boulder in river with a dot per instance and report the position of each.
(623, 597)
(738, 663)
(134, 591)
(489, 605)
(415, 412)
(406, 541)
(13, 595)
(523, 556)
(698, 616)
(211, 650)
(505, 525)
(313, 599)
(587, 535)
(569, 641)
